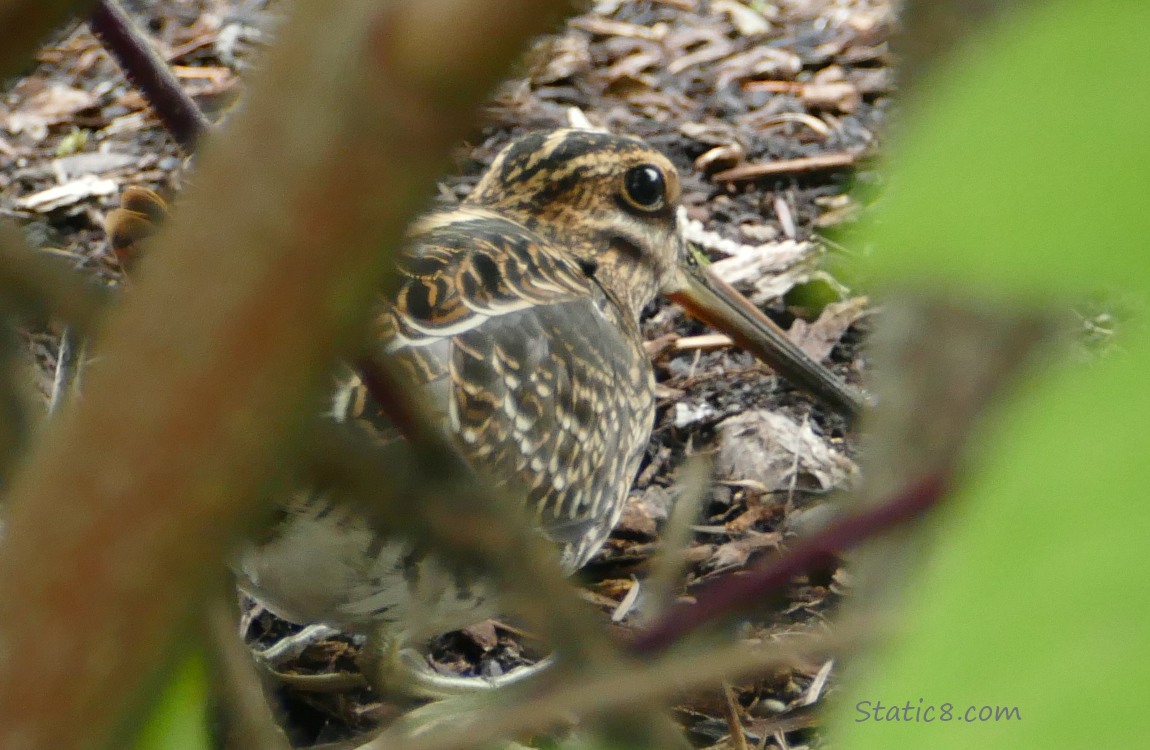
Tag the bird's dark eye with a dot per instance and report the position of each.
(645, 187)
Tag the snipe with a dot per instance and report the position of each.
(518, 314)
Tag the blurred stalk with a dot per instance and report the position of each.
(149, 73)
(69, 354)
(205, 374)
(13, 417)
(932, 30)
(25, 23)
(36, 288)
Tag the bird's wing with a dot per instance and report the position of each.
(523, 357)
(517, 349)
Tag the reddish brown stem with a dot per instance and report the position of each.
(741, 592)
(180, 116)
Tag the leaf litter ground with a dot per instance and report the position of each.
(771, 112)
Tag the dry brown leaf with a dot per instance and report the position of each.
(779, 453)
(633, 64)
(55, 104)
(713, 49)
(67, 194)
(818, 338)
(720, 157)
(483, 634)
(637, 521)
(735, 554)
(830, 89)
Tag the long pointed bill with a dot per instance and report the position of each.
(714, 301)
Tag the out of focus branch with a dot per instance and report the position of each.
(619, 687)
(38, 288)
(932, 30)
(149, 73)
(25, 23)
(746, 592)
(206, 372)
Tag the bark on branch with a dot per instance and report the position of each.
(207, 370)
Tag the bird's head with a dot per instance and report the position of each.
(612, 202)
(609, 200)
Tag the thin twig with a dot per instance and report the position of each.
(738, 593)
(734, 721)
(479, 720)
(67, 369)
(801, 165)
(148, 72)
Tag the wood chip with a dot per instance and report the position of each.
(705, 342)
(606, 27)
(803, 164)
(746, 21)
(67, 194)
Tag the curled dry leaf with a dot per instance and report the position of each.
(606, 27)
(736, 553)
(711, 131)
(53, 105)
(830, 89)
(67, 194)
(713, 48)
(818, 338)
(720, 157)
(779, 453)
(634, 64)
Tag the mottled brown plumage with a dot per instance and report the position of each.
(518, 315)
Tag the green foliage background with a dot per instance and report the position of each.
(1022, 176)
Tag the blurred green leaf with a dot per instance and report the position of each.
(1025, 179)
(179, 718)
(1034, 598)
(1026, 170)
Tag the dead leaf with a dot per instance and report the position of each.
(709, 52)
(483, 635)
(818, 338)
(830, 89)
(735, 554)
(67, 194)
(720, 157)
(779, 453)
(53, 105)
(759, 62)
(556, 59)
(637, 521)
